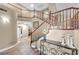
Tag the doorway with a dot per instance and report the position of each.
(22, 31)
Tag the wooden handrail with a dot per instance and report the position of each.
(65, 9)
(39, 26)
(42, 19)
(75, 16)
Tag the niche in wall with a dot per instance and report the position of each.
(35, 24)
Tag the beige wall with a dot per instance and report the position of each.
(8, 32)
(76, 41)
(52, 7)
(57, 35)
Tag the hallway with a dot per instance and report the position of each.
(22, 48)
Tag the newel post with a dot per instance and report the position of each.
(49, 18)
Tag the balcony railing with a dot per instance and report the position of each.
(66, 19)
(51, 47)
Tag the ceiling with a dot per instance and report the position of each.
(36, 6)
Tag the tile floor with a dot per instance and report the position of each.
(23, 48)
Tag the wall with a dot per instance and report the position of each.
(8, 30)
(57, 35)
(61, 6)
(76, 41)
(52, 7)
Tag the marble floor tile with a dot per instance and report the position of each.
(23, 48)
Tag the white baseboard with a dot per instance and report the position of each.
(2, 50)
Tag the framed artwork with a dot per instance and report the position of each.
(35, 24)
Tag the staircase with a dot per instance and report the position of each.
(66, 19)
(38, 32)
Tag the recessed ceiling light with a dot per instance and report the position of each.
(32, 5)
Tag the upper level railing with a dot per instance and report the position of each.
(66, 19)
(32, 13)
